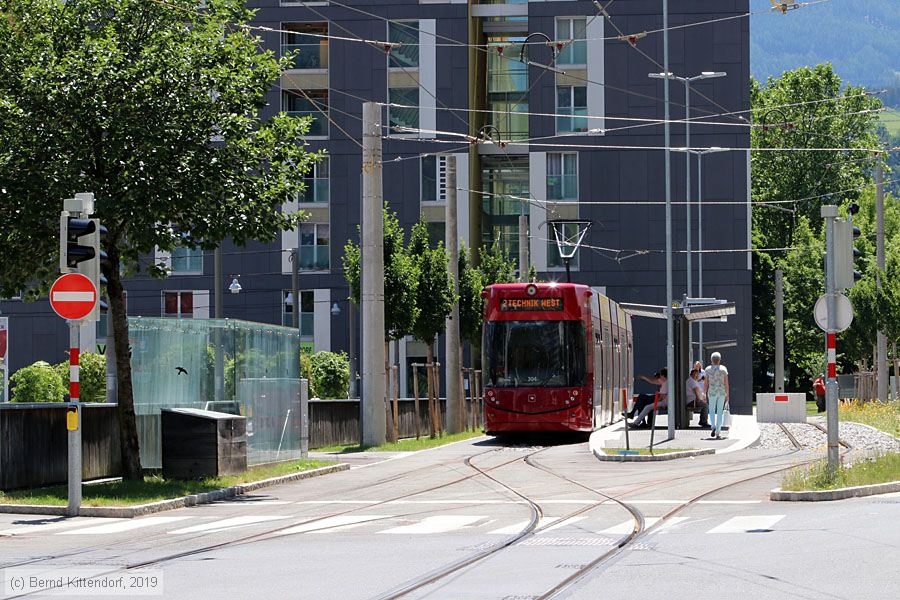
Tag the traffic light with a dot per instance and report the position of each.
(80, 243)
(845, 253)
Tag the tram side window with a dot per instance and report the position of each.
(536, 353)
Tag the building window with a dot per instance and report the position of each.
(316, 181)
(178, 304)
(434, 179)
(406, 35)
(313, 104)
(562, 176)
(571, 100)
(186, 261)
(407, 116)
(307, 306)
(572, 29)
(311, 50)
(554, 261)
(314, 247)
(507, 87)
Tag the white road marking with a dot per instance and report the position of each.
(729, 501)
(436, 524)
(338, 523)
(517, 527)
(231, 523)
(626, 527)
(249, 503)
(657, 501)
(747, 524)
(339, 501)
(40, 528)
(121, 526)
(670, 522)
(563, 523)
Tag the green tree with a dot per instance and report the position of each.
(804, 108)
(38, 382)
(153, 107)
(495, 266)
(331, 373)
(471, 305)
(91, 376)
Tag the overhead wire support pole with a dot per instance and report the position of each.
(881, 371)
(455, 410)
(670, 342)
(372, 413)
(829, 214)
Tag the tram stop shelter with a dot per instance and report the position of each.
(689, 311)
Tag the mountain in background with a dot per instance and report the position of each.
(861, 38)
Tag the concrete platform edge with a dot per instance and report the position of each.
(130, 512)
(839, 494)
(601, 456)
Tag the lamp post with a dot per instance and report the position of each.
(687, 81)
(700, 154)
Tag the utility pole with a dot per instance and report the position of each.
(881, 371)
(295, 288)
(779, 331)
(218, 331)
(523, 248)
(670, 339)
(830, 213)
(372, 405)
(454, 387)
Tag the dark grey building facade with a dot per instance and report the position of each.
(589, 147)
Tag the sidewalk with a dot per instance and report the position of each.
(744, 431)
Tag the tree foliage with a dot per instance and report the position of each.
(470, 301)
(91, 376)
(153, 107)
(400, 278)
(38, 382)
(435, 287)
(804, 108)
(330, 374)
(495, 266)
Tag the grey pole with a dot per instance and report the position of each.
(523, 248)
(700, 246)
(454, 389)
(354, 364)
(670, 341)
(74, 435)
(779, 331)
(687, 174)
(304, 418)
(881, 340)
(830, 213)
(372, 274)
(217, 280)
(295, 288)
(218, 337)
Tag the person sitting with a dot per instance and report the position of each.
(695, 398)
(661, 379)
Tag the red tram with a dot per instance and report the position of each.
(557, 357)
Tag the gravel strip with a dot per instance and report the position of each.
(863, 439)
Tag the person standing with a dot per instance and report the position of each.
(715, 388)
(819, 388)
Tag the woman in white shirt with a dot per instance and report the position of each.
(715, 388)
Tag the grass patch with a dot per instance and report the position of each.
(880, 469)
(646, 451)
(811, 409)
(153, 488)
(880, 415)
(891, 121)
(405, 445)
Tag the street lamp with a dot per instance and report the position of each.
(335, 309)
(700, 154)
(235, 287)
(687, 81)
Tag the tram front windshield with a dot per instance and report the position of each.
(535, 353)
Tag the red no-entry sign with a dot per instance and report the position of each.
(73, 296)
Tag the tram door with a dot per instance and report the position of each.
(622, 352)
(614, 359)
(606, 409)
(597, 392)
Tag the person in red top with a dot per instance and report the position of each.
(819, 388)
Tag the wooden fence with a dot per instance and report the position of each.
(34, 444)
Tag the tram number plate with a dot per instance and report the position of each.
(530, 304)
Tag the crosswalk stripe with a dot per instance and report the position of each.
(517, 527)
(628, 526)
(121, 526)
(339, 523)
(42, 527)
(563, 523)
(747, 524)
(668, 523)
(233, 522)
(436, 524)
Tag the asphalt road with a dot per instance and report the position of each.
(378, 529)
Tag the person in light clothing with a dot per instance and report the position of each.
(715, 388)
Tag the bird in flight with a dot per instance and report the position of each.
(181, 370)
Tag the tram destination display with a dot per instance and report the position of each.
(530, 304)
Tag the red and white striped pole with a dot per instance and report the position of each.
(73, 420)
(829, 214)
(832, 355)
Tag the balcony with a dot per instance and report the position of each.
(316, 191)
(314, 258)
(308, 56)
